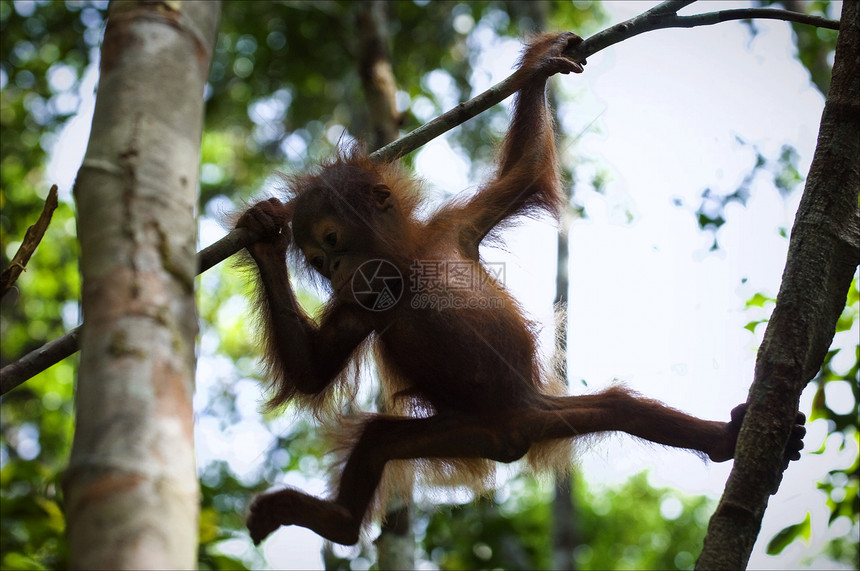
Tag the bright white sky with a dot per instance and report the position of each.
(649, 304)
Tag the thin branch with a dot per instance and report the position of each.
(67, 345)
(447, 121)
(37, 361)
(756, 14)
(662, 16)
(219, 251)
(32, 237)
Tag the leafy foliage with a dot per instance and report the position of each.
(836, 399)
(634, 526)
(39, 80)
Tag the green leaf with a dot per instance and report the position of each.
(758, 300)
(785, 537)
(208, 525)
(56, 520)
(20, 561)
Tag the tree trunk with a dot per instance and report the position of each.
(565, 528)
(822, 256)
(131, 489)
(377, 75)
(565, 523)
(395, 547)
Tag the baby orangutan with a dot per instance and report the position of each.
(469, 372)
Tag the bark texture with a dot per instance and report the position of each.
(131, 489)
(822, 257)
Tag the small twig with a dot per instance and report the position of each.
(755, 14)
(663, 15)
(32, 237)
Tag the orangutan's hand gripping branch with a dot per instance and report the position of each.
(468, 374)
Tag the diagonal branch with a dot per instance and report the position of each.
(661, 16)
(32, 238)
(664, 15)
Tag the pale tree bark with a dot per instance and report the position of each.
(131, 489)
(822, 257)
